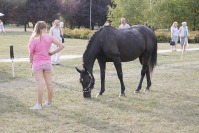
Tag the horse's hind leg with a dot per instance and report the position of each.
(102, 65)
(145, 67)
(118, 66)
(148, 79)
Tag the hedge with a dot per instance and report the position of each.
(78, 33)
(162, 36)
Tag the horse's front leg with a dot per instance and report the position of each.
(102, 65)
(118, 66)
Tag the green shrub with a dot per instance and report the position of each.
(165, 36)
(162, 35)
(81, 33)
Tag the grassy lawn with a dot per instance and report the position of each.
(171, 106)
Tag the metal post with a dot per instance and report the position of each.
(12, 59)
(13, 68)
(90, 13)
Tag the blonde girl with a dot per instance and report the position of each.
(39, 50)
(174, 35)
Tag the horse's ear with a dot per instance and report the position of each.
(78, 70)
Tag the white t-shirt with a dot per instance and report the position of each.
(174, 31)
(56, 33)
(61, 24)
(124, 26)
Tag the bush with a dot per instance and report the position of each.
(165, 36)
(162, 35)
(78, 33)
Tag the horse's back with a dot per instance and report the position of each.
(129, 43)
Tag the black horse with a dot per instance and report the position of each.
(118, 45)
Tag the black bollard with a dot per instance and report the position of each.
(11, 52)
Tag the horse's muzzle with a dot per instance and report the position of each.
(87, 94)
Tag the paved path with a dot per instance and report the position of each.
(80, 56)
(27, 59)
(178, 50)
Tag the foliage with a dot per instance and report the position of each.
(162, 35)
(31, 11)
(46, 10)
(156, 13)
(77, 12)
(81, 33)
(165, 36)
(132, 10)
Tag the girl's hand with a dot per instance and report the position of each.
(50, 53)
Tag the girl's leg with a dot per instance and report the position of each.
(39, 82)
(48, 81)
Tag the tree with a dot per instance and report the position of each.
(9, 8)
(156, 13)
(133, 10)
(77, 12)
(37, 10)
(69, 10)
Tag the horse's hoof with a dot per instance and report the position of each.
(136, 91)
(122, 95)
(98, 95)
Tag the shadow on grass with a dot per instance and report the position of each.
(5, 76)
(12, 109)
(86, 118)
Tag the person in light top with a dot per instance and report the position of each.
(183, 33)
(174, 35)
(124, 25)
(56, 32)
(2, 27)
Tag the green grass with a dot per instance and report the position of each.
(171, 106)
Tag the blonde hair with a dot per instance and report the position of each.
(40, 25)
(174, 23)
(184, 23)
(123, 20)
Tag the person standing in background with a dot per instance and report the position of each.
(56, 32)
(183, 33)
(106, 24)
(2, 29)
(174, 35)
(124, 25)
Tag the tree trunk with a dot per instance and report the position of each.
(25, 27)
(33, 25)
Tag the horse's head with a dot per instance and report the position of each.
(87, 81)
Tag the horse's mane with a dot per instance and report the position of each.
(85, 55)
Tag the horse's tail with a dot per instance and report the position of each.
(153, 58)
